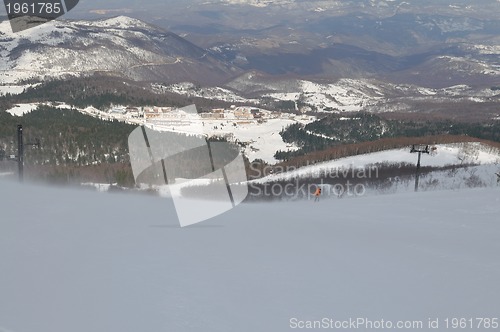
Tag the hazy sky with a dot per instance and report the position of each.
(89, 8)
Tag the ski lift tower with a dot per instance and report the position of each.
(418, 148)
(20, 151)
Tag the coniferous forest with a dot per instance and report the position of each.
(340, 129)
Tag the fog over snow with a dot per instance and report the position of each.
(83, 261)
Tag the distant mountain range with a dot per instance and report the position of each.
(406, 61)
(429, 50)
(119, 46)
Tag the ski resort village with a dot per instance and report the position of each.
(255, 129)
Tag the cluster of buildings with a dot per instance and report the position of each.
(171, 113)
(171, 117)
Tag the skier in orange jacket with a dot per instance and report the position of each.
(317, 193)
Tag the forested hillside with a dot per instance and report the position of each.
(100, 92)
(77, 148)
(339, 129)
(67, 137)
(73, 146)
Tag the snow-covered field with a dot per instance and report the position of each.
(262, 139)
(15, 89)
(21, 109)
(24, 108)
(83, 261)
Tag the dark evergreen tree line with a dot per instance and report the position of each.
(339, 129)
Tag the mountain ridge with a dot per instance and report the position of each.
(120, 46)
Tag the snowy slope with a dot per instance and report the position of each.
(344, 94)
(445, 154)
(261, 140)
(14, 89)
(348, 94)
(122, 46)
(214, 93)
(82, 261)
(21, 109)
(24, 108)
